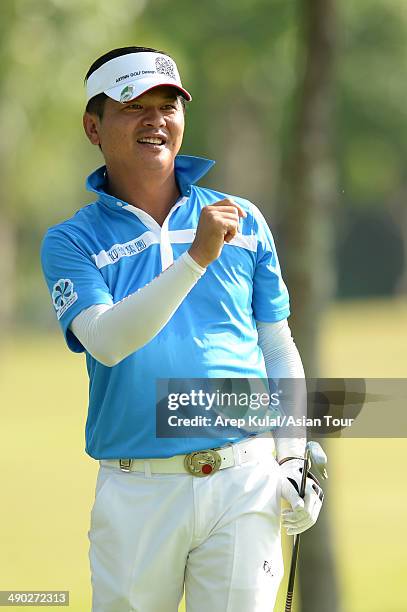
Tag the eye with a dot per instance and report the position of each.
(134, 106)
(169, 106)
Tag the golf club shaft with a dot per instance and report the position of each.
(296, 545)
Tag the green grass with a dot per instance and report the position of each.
(48, 481)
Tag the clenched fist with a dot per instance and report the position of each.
(218, 223)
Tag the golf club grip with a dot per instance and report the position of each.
(304, 475)
(291, 577)
(294, 556)
(288, 602)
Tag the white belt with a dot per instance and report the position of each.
(198, 463)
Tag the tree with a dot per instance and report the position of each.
(309, 189)
(371, 123)
(45, 50)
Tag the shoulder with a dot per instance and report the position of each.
(209, 196)
(77, 220)
(71, 231)
(255, 218)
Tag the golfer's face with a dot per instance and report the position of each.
(146, 131)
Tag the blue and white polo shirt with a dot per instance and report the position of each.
(110, 249)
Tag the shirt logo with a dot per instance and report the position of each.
(123, 250)
(127, 249)
(63, 296)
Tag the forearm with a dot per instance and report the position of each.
(112, 333)
(283, 361)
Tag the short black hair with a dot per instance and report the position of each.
(96, 105)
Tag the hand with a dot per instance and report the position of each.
(304, 512)
(218, 223)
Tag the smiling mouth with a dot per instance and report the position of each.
(151, 141)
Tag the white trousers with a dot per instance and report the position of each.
(218, 536)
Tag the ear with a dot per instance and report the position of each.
(91, 125)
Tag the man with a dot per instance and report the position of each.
(159, 278)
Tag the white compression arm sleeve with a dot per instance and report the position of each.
(283, 360)
(111, 333)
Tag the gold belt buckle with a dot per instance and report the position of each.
(202, 463)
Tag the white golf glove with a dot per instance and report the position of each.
(304, 512)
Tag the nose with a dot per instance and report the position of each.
(153, 117)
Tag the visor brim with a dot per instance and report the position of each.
(142, 87)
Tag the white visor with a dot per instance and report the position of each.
(129, 76)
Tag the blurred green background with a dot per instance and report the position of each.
(302, 104)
